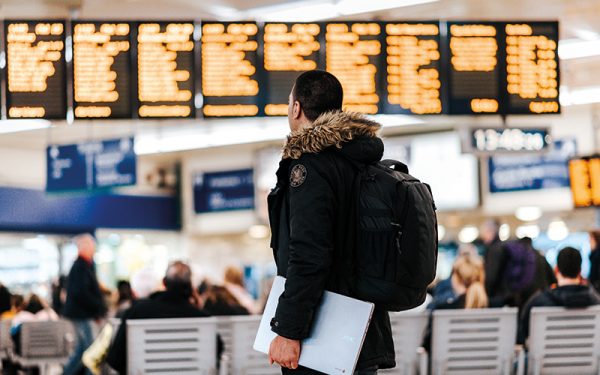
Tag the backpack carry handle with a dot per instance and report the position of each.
(395, 165)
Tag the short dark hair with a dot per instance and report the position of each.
(318, 92)
(178, 278)
(569, 262)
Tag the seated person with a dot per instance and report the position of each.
(174, 302)
(220, 301)
(468, 285)
(570, 292)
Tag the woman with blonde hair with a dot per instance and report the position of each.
(468, 284)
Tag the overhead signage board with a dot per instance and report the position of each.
(101, 70)
(36, 80)
(507, 173)
(91, 165)
(224, 191)
(165, 70)
(585, 181)
(486, 141)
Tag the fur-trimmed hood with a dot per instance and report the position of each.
(330, 129)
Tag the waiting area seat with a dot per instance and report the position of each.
(172, 346)
(564, 341)
(477, 341)
(240, 357)
(407, 330)
(43, 344)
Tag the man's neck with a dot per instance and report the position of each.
(567, 282)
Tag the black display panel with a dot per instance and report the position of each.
(289, 50)
(230, 84)
(353, 53)
(532, 67)
(413, 71)
(165, 69)
(35, 69)
(474, 67)
(101, 70)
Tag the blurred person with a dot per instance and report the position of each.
(444, 291)
(234, 283)
(313, 220)
(594, 275)
(468, 284)
(520, 272)
(85, 301)
(220, 302)
(174, 302)
(570, 292)
(124, 297)
(5, 300)
(17, 303)
(59, 295)
(494, 256)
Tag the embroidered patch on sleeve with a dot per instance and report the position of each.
(298, 175)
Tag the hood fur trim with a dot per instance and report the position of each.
(329, 129)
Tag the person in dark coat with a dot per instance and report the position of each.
(594, 275)
(220, 302)
(174, 302)
(570, 292)
(85, 302)
(312, 213)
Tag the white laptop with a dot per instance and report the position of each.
(339, 329)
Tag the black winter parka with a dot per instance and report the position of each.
(312, 212)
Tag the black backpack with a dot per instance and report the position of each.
(397, 242)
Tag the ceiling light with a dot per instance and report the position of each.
(349, 7)
(259, 232)
(577, 49)
(468, 234)
(585, 95)
(14, 126)
(528, 213)
(441, 232)
(504, 232)
(301, 11)
(557, 230)
(531, 231)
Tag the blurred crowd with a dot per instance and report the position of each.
(487, 273)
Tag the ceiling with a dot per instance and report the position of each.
(578, 19)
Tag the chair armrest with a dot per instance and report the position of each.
(423, 361)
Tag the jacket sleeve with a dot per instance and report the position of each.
(117, 354)
(312, 206)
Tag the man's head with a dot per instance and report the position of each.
(568, 266)
(489, 231)
(315, 92)
(86, 246)
(178, 279)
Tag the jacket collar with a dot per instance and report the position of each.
(329, 129)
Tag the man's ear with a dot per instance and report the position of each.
(296, 110)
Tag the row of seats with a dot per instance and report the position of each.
(463, 342)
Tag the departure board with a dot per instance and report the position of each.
(289, 49)
(474, 72)
(229, 69)
(413, 80)
(36, 72)
(584, 174)
(101, 70)
(532, 67)
(353, 55)
(165, 63)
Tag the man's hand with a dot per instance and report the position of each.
(285, 352)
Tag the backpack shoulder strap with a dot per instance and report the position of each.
(395, 165)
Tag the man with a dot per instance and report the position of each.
(174, 302)
(313, 215)
(85, 303)
(571, 292)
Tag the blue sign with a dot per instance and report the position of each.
(91, 165)
(532, 172)
(224, 191)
